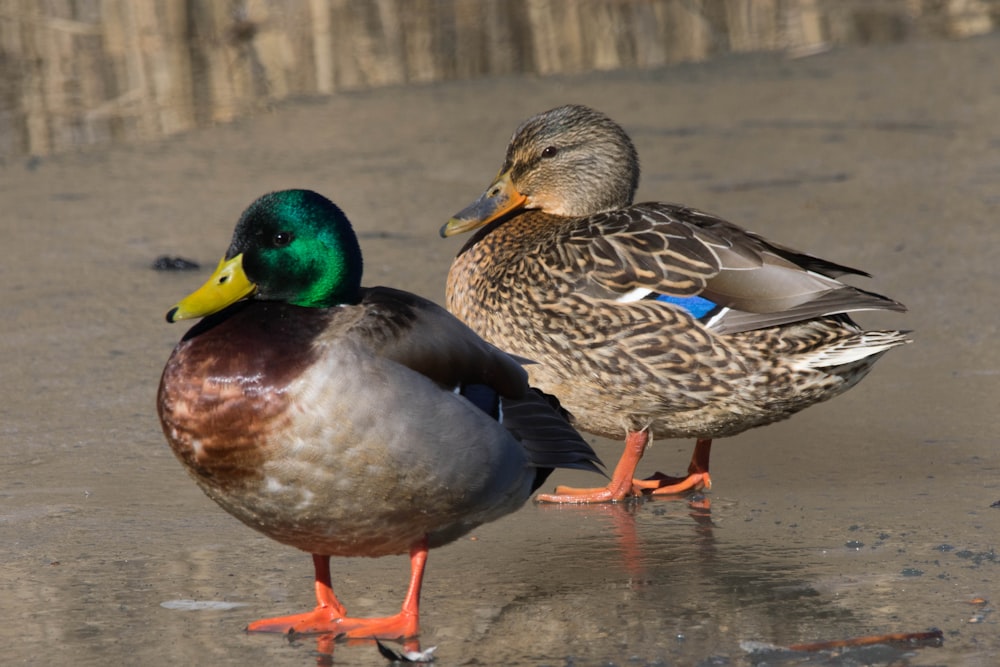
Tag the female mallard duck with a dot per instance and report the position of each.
(347, 421)
(648, 318)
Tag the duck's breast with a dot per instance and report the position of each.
(335, 450)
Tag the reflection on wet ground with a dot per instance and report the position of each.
(648, 583)
(756, 584)
(652, 582)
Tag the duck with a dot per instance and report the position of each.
(345, 420)
(649, 319)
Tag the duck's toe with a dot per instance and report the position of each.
(322, 619)
(664, 485)
(613, 492)
(327, 620)
(697, 478)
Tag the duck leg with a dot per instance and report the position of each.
(696, 480)
(621, 482)
(330, 616)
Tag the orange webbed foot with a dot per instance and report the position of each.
(330, 617)
(620, 486)
(325, 619)
(697, 478)
(604, 494)
(665, 485)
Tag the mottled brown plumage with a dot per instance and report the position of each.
(567, 272)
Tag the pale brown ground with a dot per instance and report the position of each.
(867, 514)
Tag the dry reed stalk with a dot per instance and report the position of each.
(57, 74)
(87, 71)
(320, 22)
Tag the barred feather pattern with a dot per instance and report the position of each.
(548, 287)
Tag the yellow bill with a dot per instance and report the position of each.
(227, 285)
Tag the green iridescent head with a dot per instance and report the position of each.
(294, 246)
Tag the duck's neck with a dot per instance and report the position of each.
(510, 237)
(499, 266)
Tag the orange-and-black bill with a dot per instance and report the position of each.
(227, 285)
(500, 198)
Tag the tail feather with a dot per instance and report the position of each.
(543, 427)
(851, 350)
(846, 299)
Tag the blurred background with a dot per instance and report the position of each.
(81, 72)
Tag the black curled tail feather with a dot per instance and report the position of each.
(542, 426)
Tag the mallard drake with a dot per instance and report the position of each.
(347, 421)
(648, 319)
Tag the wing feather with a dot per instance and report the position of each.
(424, 337)
(682, 252)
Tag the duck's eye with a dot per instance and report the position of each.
(550, 151)
(281, 239)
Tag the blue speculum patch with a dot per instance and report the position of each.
(698, 306)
